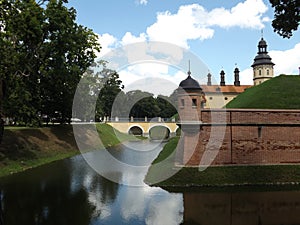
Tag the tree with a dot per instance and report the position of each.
(286, 16)
(167, 110)
(44, 52)
(108, 93)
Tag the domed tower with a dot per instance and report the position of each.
(263, 65)
(190, 100)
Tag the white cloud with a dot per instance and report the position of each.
(107, 42)
(193, 22)
(151, 77)
(286, 62)
(129, 38)
(246, 76)
(142, 2)
(248, 14)
(180, 27)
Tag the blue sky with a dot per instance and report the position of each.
(221, 33)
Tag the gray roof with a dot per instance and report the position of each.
(190, 83)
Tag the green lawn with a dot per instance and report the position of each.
(23, 148)
(280, 92)
(221, 176)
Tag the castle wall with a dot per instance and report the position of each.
(250, 137)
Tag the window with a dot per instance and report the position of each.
(194, 102)
(182, 102)
(210, 98)
(268, 73)
(226, 98)
(259, 72)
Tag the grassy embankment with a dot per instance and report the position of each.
(23, 148)
(222, 176)
(280, 92)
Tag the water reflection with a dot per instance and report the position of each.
(69, 192)
(247, 208)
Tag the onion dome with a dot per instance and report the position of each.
(189, 83)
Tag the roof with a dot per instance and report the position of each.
(224, 89)
(190, 83)
(262, 59)
(262, 42)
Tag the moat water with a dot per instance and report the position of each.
(70, 192)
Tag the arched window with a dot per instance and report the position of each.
(194, 102)
(182, 102)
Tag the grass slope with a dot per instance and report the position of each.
(24, 148)
(220, 176)
(280, 92)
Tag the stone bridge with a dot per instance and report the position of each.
(146, 128)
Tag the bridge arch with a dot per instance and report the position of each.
(159, 132)
(136, 129)
(177, 131)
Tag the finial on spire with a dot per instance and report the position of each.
(262, 33)
(189, 72)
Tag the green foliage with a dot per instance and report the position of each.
(286, 16)
(280, 92)
(44, 52)
(108, 93)
(168, 149)
(145, 104)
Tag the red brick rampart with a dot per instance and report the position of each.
(250, 137)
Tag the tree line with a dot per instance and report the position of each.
(102, 95)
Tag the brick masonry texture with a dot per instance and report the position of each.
(251, 137)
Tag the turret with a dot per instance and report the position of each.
(263, 65)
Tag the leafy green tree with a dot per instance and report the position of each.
(70, 51)
(21, 38)
(44, 52)
(108, 93)
(167, 110)
(286, 16)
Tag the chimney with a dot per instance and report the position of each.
(236, 77)
(208, 79)
(222, 82)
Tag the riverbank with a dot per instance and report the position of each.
(223, 176)
(24, 148)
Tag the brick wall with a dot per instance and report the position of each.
(249, 137)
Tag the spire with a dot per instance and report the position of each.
(222, 82)
(236, 76)
(189, 72)
(208, 79)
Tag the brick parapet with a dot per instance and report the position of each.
(246, 140)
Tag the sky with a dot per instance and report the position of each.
(220, 34)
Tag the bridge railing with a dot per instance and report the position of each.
(133, 119)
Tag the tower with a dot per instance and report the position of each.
(263, 65)
(222, 82)
(208, 79)
(237, 77)
(190, 100)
